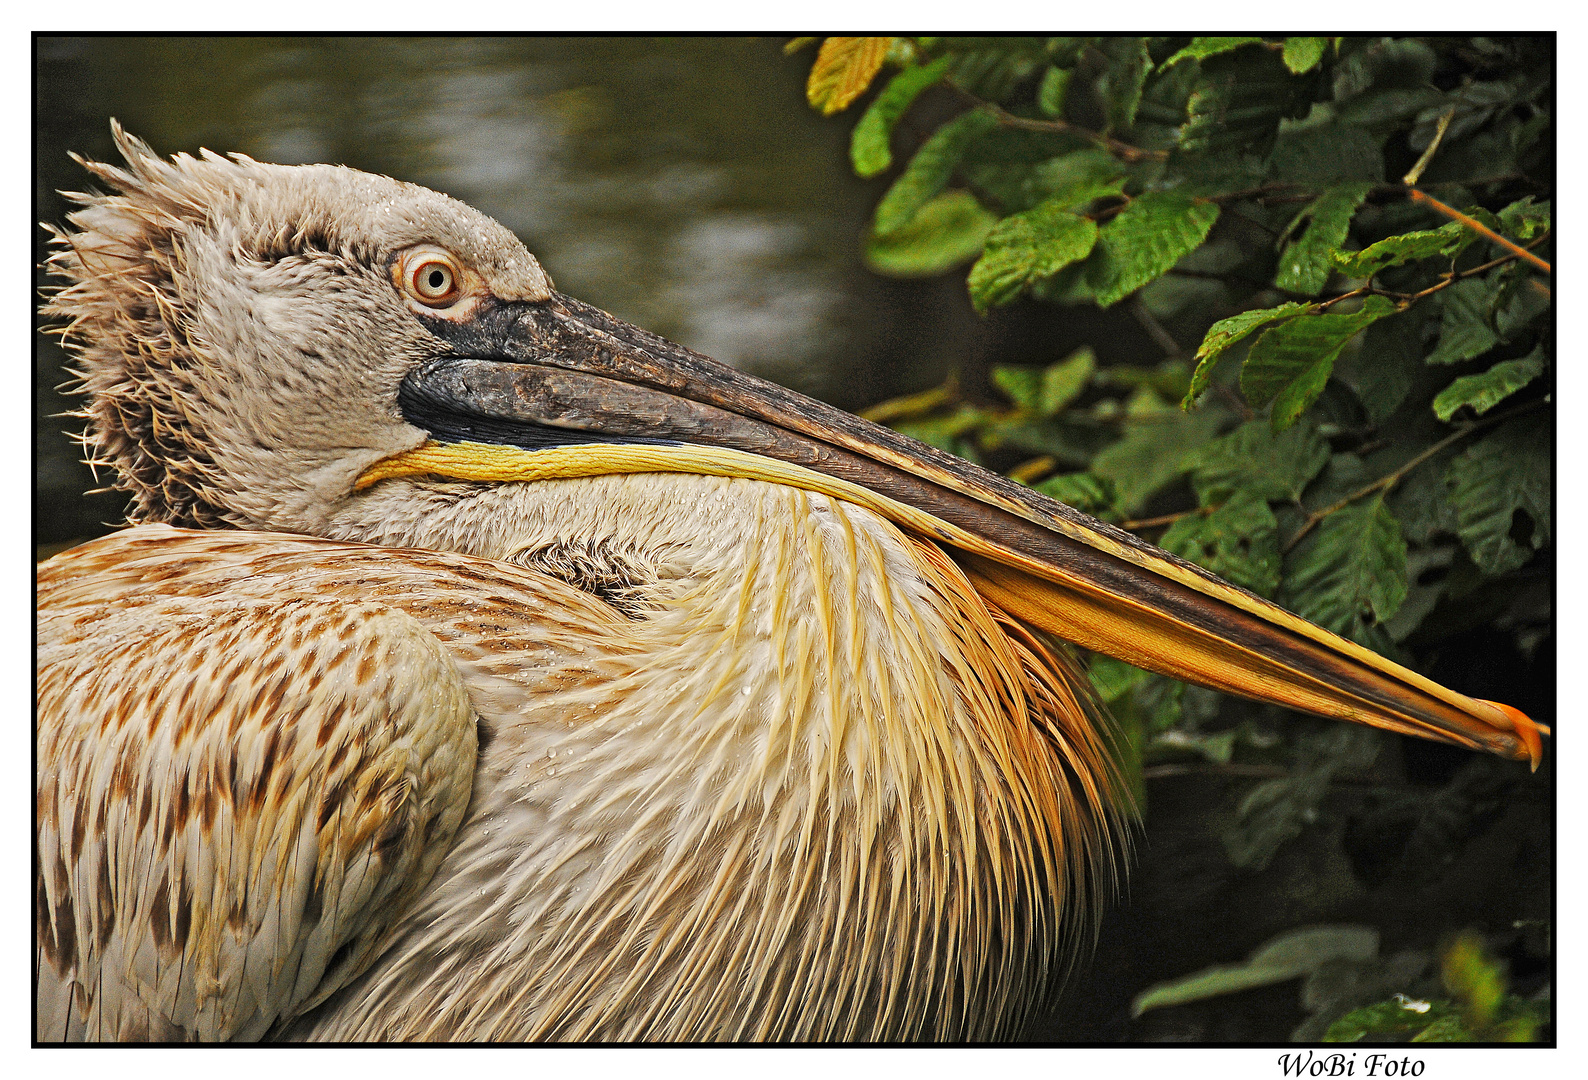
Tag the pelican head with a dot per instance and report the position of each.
(827, 772)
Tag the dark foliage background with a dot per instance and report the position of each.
(1050, 244)
(1339, 247)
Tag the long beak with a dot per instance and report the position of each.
(560, 389)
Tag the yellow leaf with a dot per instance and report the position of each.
(796, 44)
(844, 68)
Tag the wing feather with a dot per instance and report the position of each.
(238, 790)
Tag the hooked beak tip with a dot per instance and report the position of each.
(1530, 733)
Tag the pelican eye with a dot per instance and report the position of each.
(432, 278)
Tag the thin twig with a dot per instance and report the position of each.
(1166, 519)
(1064, 127)
(1253, 771)
(1155, 330)
(1390, 480)
(1411, 178)
(1447, 280)
(1480, 228)
(1451, 279)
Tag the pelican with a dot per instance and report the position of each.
(481, 667)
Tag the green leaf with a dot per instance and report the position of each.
(1239, 541)
(1254, 459)
(1349, 574)
(1522, 299)
(1398, 1015)
(1507, 472)
(1238, 102)
(1291, 362)
(945, 232)
(1047, 391)
(1083, 491)
(946, 432)
(1112, 678)
(1422, 501)
(929, 170)
(1289, 956)
(1027, 247)
(1465, 330)
(1388, 361)
(1121, 82)
(1276, 811)
(1055, 86)
(1302, 54)
(1153, 454)
(1226, 332)
(1524, 220)
(1474, 978)
(1327, 153)
(1483, 392)
(1203, 47)
(1145, 240)
(1307, 261)
(1405, 248)
(991, 68)
(1078, 179)
(868, 147)
(1447, 1029)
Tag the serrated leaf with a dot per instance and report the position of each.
(1422, 501)
(1307, 262)
(1291, 362)
(1083, 491)
(868, 146)
(947, 231)
(1483, 392)
(1349, 575)
(1203, 47)
(1239, 102)
(1525, 220)
(1076, 180)
(1405, 248)
(929, 170)
(844, 68)
(1153, 454)
(1145, 240)
(1465, 331)
(1027, 247)
(1239, 541)
(1120, 84)
(1053, 90)
(1508, 471)
(1254, 459)
(1302, 54)
(1288, 956)
(1388, 362)
(993, 71)
(1226, 332)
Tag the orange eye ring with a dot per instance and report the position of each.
(433, 278)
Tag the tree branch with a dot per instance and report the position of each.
(1481, 229)
(1389, 481)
